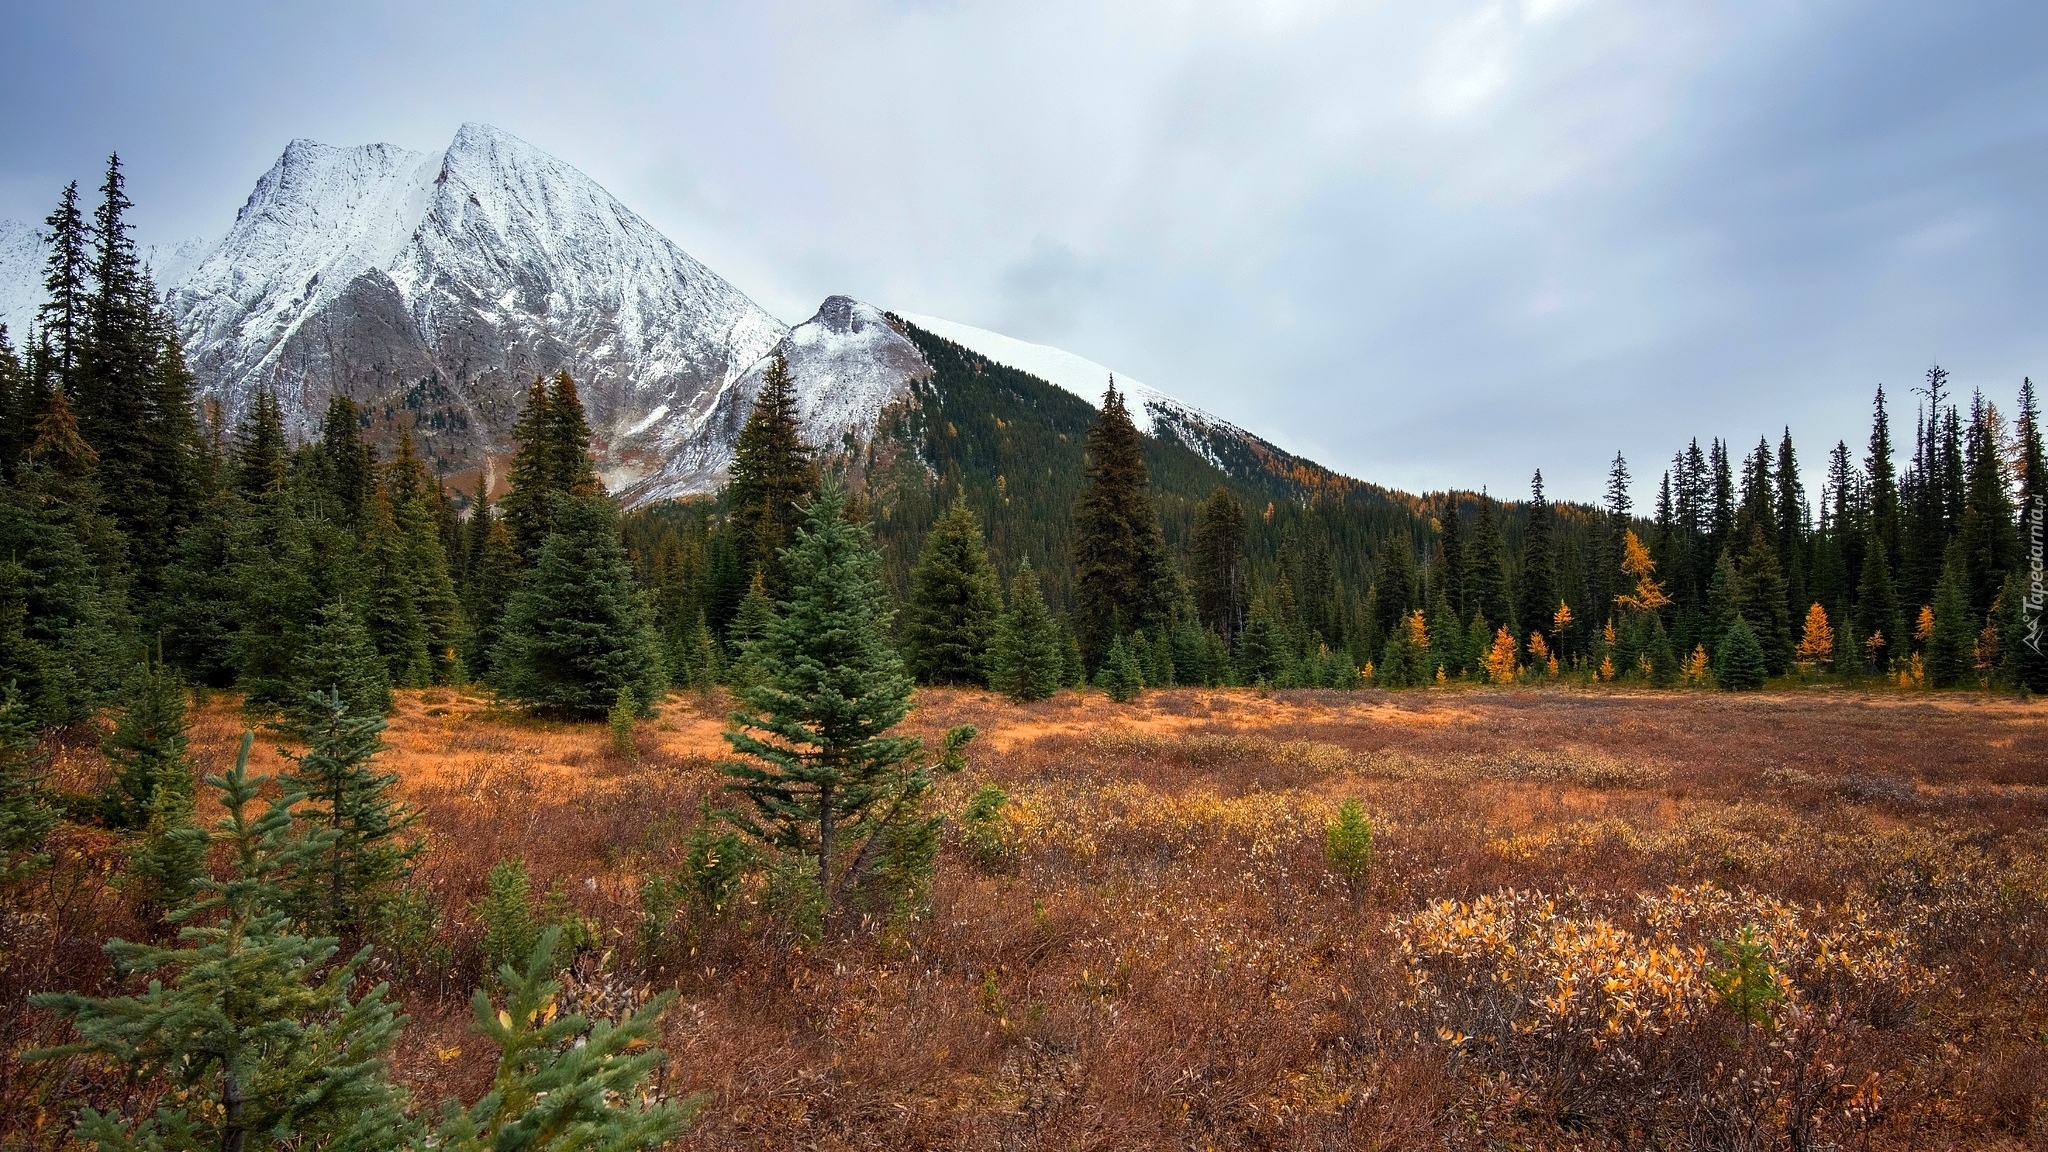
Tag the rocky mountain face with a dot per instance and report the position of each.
(432, 288)
(848, 363)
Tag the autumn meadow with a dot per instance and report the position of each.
(1583, 919)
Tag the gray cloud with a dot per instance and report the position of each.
(1427, 244)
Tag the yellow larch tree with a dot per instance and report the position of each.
(1817, 640)
(1696, 666)
(1648, 595)
(1501, 664)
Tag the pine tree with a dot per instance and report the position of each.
(416, 505)
(1794, 522)
(1216, 563)
(954, 604)
(196, 617)
(168, 863)
(1763, 602)
(256, 1033)
(261, 461)
(1724, 603)
(1447, 640)
(343, 888)
(1877, 608)
(1451, 546)
(749, 625)
(340, 658)
(528, 512)
(1394, 588)
(577, 632)
(1486, 570)
(1122, 579)
(347, 464)
(773, 473)
(564, 1083)
(1951, 650)
(1536, 586)
(64, 616)
(148, 745)
(394, 612)
(1739, 664)
(493, 574)
(1120, 675)
(63, 316)
(1027, 660)
(25, 816)
(823, 764)
(1990, 544)
(1258, 649)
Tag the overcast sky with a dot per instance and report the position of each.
(1428, 244)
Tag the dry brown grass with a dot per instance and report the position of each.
(1168, 962)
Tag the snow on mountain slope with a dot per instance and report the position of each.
(22, 252)
(21, 278)
(433, 288)
(847, 363)
(1154, 412)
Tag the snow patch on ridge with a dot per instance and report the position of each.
(1154, 412)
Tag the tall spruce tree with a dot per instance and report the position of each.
(954, 603)
(340, 658)
(578, 633)
(347, 465)
(1122, 579)
(259, 1037)
(1877, 608)
(1536, 586)
(1794, 521)
(1487, 591)
(827, 777)
(493, 573)
(1985, 532)
(550, 461)
(416, 507)
(1026, 660)
(1217, 563)
(394, 617)
(148, 745)
(1396, 589)
(1951, 649)
(64, 620)
(1763, 601)
(1882, 478)
(342, 888)
(64, 314)
(773, 473)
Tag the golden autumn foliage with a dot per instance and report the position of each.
(1561, 620)
(1817, 640)
(1418, 631)
(1501, 664)
(1538, 650)
(1648, 595)
(1923, 628)
(1696, 667)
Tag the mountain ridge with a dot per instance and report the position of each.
(432, 288)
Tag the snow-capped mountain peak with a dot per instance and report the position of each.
(433, 287)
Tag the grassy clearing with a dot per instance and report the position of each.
(1152, 950)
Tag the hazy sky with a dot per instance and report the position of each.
(1425, 243)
